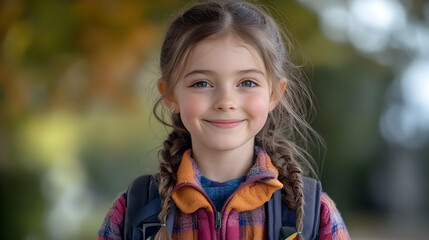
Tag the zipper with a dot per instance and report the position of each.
(218, 220)
(218, 215)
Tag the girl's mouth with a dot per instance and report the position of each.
(225, 123)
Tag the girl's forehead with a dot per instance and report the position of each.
(224, 52)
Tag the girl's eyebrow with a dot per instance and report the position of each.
(241, 72)
(252, 70)
(206, 72)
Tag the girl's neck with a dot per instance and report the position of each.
(222, 166)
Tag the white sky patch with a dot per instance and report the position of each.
(334, 23)
(398, 126)
(415, 89)
(372, 22)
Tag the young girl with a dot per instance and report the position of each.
(237, 109)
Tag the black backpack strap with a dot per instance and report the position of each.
(312, 190)
(282, 220)
(274, 215)
(143, 205)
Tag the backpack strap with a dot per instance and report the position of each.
(282, 220)
(274, 215)
(312, 190)
(143, 207)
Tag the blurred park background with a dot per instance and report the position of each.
(77, 88)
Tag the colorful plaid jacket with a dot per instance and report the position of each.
(243, 216)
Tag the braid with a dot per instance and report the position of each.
(290, 174)
(291, 177)
(174, 147)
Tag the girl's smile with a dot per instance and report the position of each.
(225, 123)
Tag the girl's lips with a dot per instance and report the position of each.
(225, 123)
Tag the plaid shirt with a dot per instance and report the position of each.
(243, 216)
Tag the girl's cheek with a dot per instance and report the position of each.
(258, 107)
(193, 106)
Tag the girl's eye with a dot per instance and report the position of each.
(201, 84)
(248, 83)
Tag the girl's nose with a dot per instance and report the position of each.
(225, 101)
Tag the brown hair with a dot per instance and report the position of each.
(286, 134)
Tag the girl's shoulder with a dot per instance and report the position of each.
(113, 224)
(332, 225)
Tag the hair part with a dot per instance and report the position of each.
(286, 136)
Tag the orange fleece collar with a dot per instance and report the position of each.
(261, 182)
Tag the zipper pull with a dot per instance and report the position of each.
(218, 220)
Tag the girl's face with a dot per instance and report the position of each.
(224, 95)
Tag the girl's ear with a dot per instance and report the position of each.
(169, 100)
(277, 93)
